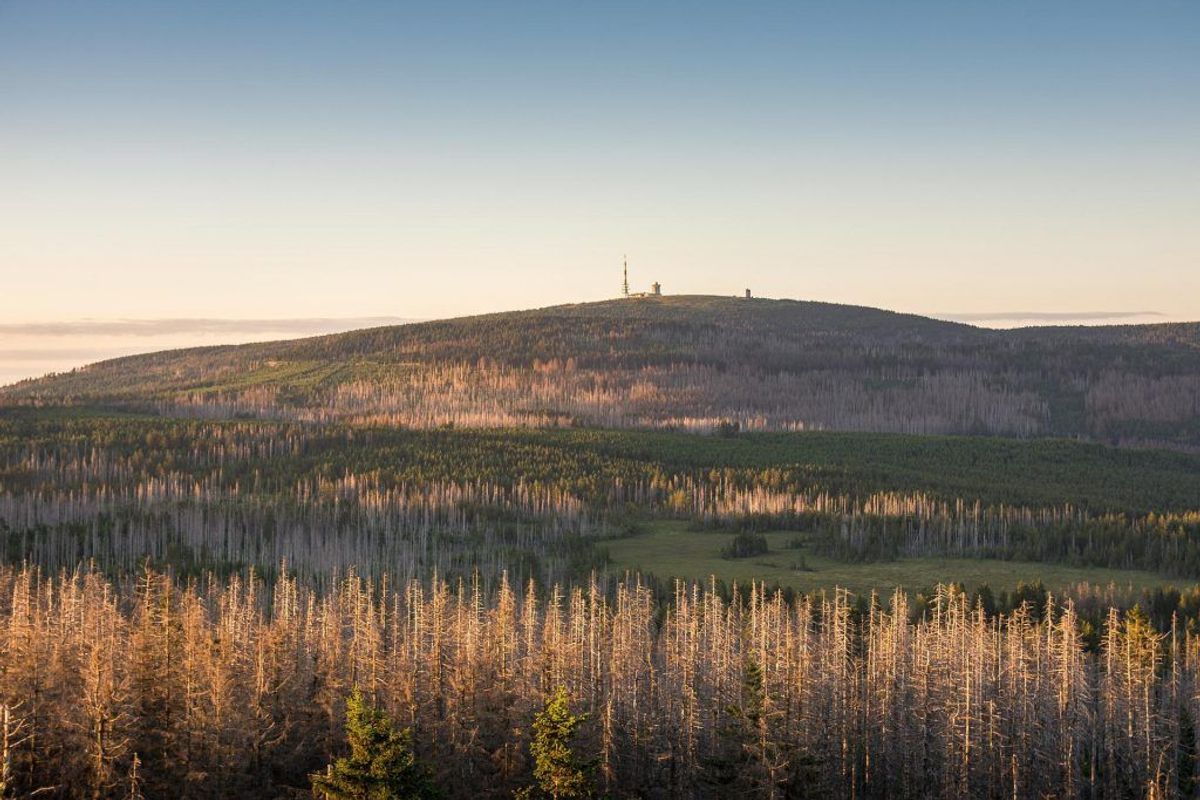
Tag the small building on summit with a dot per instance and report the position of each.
(655, 288)
(655, 291)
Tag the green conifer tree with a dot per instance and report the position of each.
(381, 765)
(560, 773)
(751, 763)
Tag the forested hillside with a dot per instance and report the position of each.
(185, 606)
(696, 363)
(227, 496)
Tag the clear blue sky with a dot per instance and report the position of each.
(298, 159)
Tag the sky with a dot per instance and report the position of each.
(335, 161)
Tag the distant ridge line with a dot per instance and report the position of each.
(1064, 316)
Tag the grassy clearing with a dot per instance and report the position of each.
(669, 549)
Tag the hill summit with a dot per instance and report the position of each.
(692, 362)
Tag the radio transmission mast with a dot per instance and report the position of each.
(625, 286)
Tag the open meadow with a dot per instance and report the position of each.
(670, 549)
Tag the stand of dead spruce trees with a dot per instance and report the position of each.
(220, 688)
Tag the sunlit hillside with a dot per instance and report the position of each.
(690, 362)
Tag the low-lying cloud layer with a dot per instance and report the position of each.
(1017, 319)
(170, 327)
(32, 349)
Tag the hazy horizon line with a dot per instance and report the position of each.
(165, 326)
(1046, 316)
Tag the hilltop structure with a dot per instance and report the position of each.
(655, 288)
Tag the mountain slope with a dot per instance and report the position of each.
(684, 361)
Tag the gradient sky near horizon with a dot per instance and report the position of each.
(419, 160)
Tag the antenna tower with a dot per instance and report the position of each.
(625, 287)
